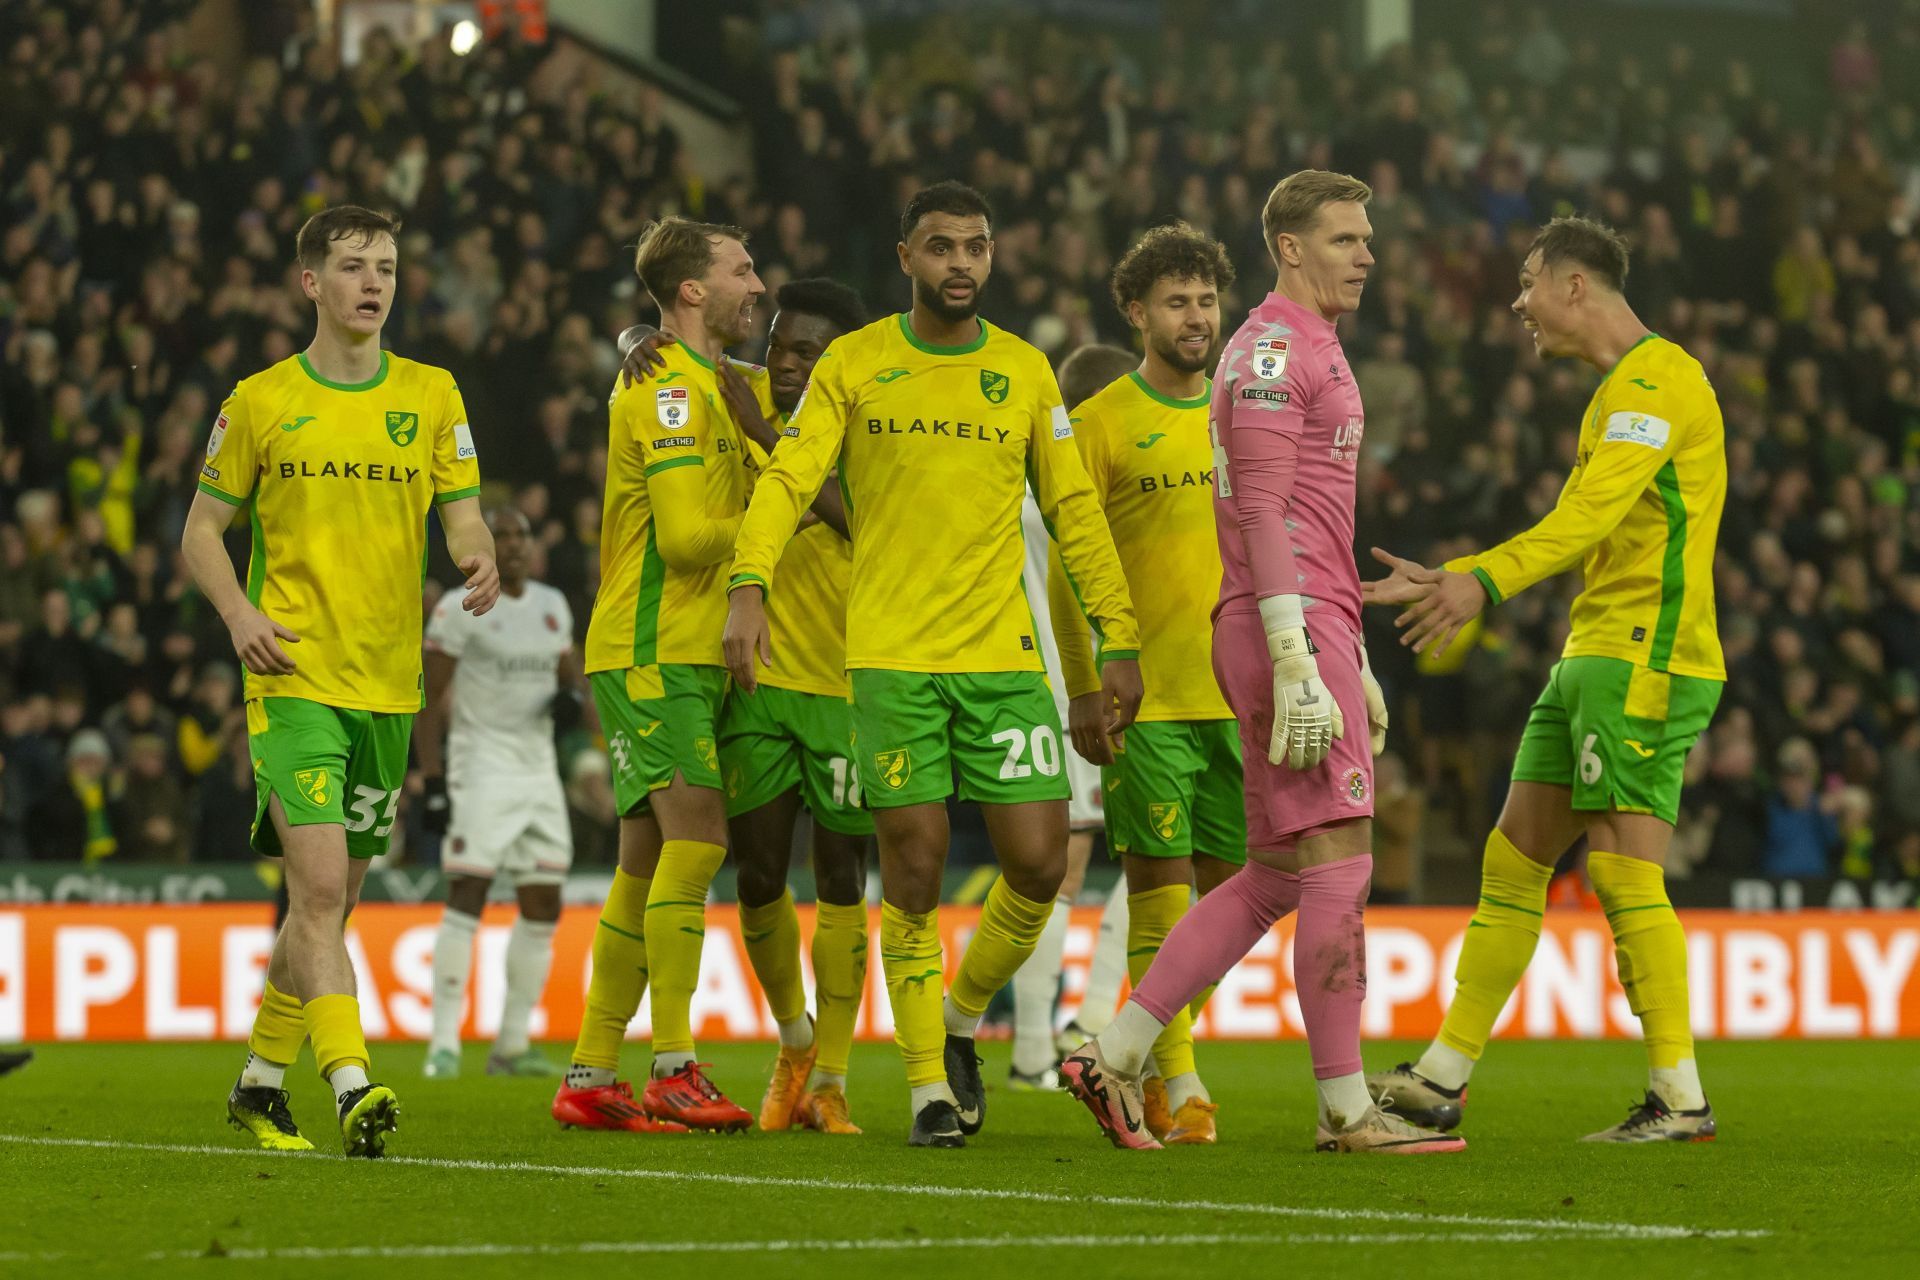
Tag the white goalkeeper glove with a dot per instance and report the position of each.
(1306, 720)
(1376, 704)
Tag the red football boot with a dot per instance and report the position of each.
(607, 1106)
(689, 1098)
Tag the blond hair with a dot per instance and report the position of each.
(1294, 204)
(675, 250)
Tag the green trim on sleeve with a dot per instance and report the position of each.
(668, 464)
(964, 349)
(1119, 655)
(454, 495)
(1486, 580)
(1673, 568)
(222, 494)
(368, 385)
(748, 580)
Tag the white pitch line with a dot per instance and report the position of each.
(315, 1254)
(1621, 1230)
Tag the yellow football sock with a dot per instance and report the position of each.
(772, 937)
(619, 972)
(910, 953)
(676, 927)
(839, 979)
(1150, 918)
(334, 1024)
(1009, 929)
(1651, 948)
(279, 1027)
(1499, 944)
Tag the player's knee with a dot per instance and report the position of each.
(1036, 877)
(320, 901)
(539, 903)
(759, 883)
(467, 894)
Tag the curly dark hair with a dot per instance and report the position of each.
(1178, 250)
(829, 299)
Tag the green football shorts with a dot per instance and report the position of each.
(1617, 733)
(913, 731)
(660, 721)
(327, 764)
(1173, 789)
(773, 740)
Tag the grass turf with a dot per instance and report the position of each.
(1810, 1154)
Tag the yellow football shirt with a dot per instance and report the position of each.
(1640, 514)
(1150, 458)
(808, 617)
(338, 479)
(649, 611)
(936, 447)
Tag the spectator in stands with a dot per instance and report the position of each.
(1802, 833)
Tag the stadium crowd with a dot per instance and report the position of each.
(148, 203)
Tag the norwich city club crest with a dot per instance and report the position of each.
(895, 767)
(994, 386)
(402, 427)
(312, 784)
(1165, 819)
(708, 756)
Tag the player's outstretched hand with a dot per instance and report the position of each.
(640, 352)
(747, 636)
(483, 584)
(1087, 726)
(1435, 620)
(1408, 582)
(1122, 689)
(256, 639)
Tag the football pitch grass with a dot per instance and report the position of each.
(115, 1160)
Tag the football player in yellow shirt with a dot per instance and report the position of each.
(677, 479)
(787, 748)
(336, 455)
(938, 422)
(1607, 741)
(1172, 785)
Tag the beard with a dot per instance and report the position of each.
(935, 300)
(727, 321)
(1169, 350)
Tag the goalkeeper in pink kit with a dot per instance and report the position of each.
(1288, 655)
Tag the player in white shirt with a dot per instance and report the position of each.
(498, 798)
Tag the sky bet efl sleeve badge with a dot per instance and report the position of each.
(670, 405)
(1269, 358)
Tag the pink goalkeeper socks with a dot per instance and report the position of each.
(1330, 962)
(1212, 937)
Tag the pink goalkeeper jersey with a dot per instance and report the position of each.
(1286, 443)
